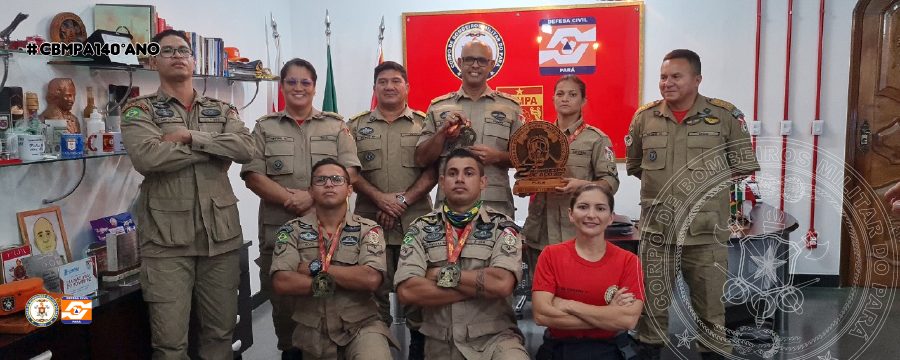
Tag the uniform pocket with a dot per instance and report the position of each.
(348, 255)
(212, 124)
(496, 134)
(321, 147)
(704, 223)
(485, 328)
(408, 149)
(227, 220)
(654, 152)
(698, 152)
(160, 278)
(280, 157)
(370, 153)
(174, 219)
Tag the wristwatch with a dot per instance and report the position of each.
(315, 267)
(402, 199)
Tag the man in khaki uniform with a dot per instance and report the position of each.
(189, 228)
(289, 142)
(460, 264)
(682, 147)
(330, 262)
(392, 189)
(493, 115)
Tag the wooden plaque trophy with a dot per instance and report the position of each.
(539, 151)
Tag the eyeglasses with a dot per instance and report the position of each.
(335, 180)
(293, 82)
(168, 52)
(469, 60)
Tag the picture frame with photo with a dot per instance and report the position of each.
(44, 232)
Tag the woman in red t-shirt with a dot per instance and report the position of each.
(586, 290)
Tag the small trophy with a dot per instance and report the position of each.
(539, 151)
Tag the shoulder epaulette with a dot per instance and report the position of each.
(443, 97)
(331, 114)
(647, 106)
(364, 221)
(360, 115)
(510, 224)
(420, 113)
(727, 106)
(142, 97)
(274, 115)
(508, 97)
(429, 218)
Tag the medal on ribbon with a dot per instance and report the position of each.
(451, 273)
(323, 283)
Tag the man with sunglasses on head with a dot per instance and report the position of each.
(477, 118)
(392, 189)
(183, 143)
(331, 262)
(288, 143)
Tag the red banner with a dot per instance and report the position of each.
(533, 47)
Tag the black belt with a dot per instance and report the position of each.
(619, 348)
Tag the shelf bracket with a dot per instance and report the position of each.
(204, 86)
(80, 179)
(255, 93)
(130, 71)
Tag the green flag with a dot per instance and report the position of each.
(330, 101)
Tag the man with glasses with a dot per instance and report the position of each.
(477, 118)
(392, 189)
(331, 262)
(190, 232)
(288, 143)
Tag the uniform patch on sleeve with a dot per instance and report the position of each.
(628, 140)
(610, 155)
(134, 111)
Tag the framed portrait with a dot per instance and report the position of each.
(138, 19)
(43, 230)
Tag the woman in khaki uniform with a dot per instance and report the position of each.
(590, 160)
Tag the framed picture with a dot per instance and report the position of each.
(43, 230)
(138, 19)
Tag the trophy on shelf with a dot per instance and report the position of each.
(539, 151)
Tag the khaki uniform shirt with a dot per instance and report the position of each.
(472, 324)
(288, 151)
(591, 159)
(678, 163)
(495, 116)
(386, 151)
(338, 318)
(186, 206)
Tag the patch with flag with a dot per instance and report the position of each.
(568, 46)
(531, 98)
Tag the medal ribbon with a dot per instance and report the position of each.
(577, 131)
(326, 258)
(455, 246)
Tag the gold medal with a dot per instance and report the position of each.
(323, 285)
(449, 276)
(467, 136)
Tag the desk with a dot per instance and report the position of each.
(120, 328)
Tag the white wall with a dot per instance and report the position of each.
(722, 32)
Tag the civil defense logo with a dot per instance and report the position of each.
(568, 46)
(469, 32)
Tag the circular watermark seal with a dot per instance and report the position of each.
(469, 32)
(687, 231)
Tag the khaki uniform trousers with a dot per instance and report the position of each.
(170, 285)
(503, 347)
(700, 267)
(368, 344)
